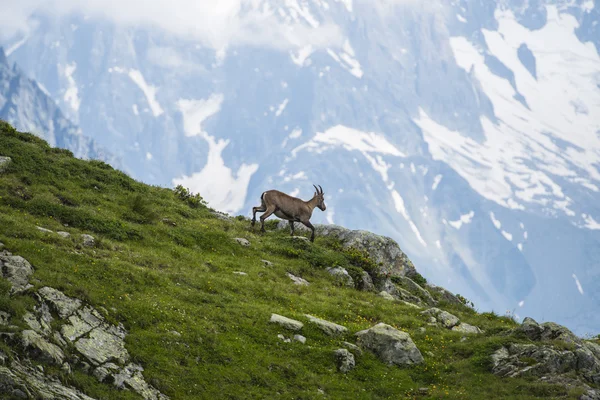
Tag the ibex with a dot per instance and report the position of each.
(289, 208)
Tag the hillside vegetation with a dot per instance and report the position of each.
(169, 268)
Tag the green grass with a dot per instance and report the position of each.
(163, 262)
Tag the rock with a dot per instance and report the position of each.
(267, 263)
(75, 329)
(63, 234)
(102, 346)
(422, 329)
(221, 216)
(345, 360)
(406, 303)
(416, 289)
(243, 242)
(1, 245)
(387, 296)
(240, 273)
(36, 325)
(444, 294)
(21, 380)
(61, 303)
(448, 320)
(66, 368)
(406, 296)
(40, 348)
(383, 250)
(366, 282)
(300, 338)
(342, 276)
(390, 345)
(131, 377)
(16, 270)
(281, 337)
(39, 228)
(106, 371)
(4, 318)
(354, 348)
(169, 222)
(546, 331)
(466, 328)
(423, 391)
(287, 323)
(88, 240)
(4, 162)
(175, 333)
(301, 238)
(330, 328)
(297, 280)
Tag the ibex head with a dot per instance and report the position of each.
(320, 198)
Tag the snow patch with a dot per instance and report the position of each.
(195, 112)
(436, 182)
(521, 303)
(15, 46)
(399, 204)
(590, 222)
(148, 156)
(438, 244)
(135, 109)
(496, 222)
(461, 18)
(71, 96)
(148, 90)
(464, 219)
(507, 235)
(281, 107)
(299, 58)
(346, 3)
(520, 246)
(579, 287)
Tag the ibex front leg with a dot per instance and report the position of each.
(292, 227)
(312, 228)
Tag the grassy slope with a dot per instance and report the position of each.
(156, 278)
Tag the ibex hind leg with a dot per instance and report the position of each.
(267, 214)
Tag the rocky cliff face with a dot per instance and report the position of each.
(25, 104)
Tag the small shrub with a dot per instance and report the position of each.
(193, 200)
(419, 279)
(466, 301)
(142, 210)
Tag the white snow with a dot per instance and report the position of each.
(520, 246)
(590, 222)
(135, 109)
(330, 215)
(296, 133)
(399, 204)
(519, 159)
(299, 58)
(507, 235)
(464, 219)
(43, 88)
(438, 244)
(461, 18)
(71, 96)
(346, 3)
(579, 287)
(525, 235)
(281, 107)
(347, 60)
(15, 46)
(496, 223)
(148, 90)
(148, 156)
(521, 303)
(436, 181)
(197, 111)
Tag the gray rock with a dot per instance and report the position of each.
(36, 325)
(39, 228)
(88, 240)
(444, 294)
(40, 348)
(281, 337)
(16, 270)
(330, 328)
(63, 234)
(287, 323)
(106, 371)
(345, 360)
(240, 273)
(297, 280)
(390, 345)
(466, 328)
(243, 242)
(4, 318)
(387, 296)
(102, 346)
(20, 380)
(222, 216)
(175, 333)
(383, 250)
(301, 238)
(267, 263)
(61, 303)
(546, 331)
(354, 348)
(342, 276)
(416, 289)
(76, 328)
(4, 162)
(406, 303)
(366, 282)
(66, 368)
(131, 378)
(300, 338)
(445, 318)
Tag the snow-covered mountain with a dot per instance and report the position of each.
(26, 105)
(469, 131)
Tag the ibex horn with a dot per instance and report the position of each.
(317, 189)
(321, 189)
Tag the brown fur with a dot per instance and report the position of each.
(289, 208)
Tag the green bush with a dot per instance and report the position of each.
(193, 200)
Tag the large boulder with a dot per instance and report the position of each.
(40, 348)
(61, 303)
(286, 322)
(16, 270)
(101, 346)
(341, 276)
(444, 295)
(443, 317)
(546, 331)
(345, 360)
(330, 328)
(390, 345)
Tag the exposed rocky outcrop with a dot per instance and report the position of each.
(345, 360)
(82, 339)
(390, 345)
(341, 276)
